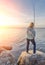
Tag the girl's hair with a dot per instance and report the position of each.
(31, 24)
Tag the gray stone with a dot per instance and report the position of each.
(6, 58)
(31, 59)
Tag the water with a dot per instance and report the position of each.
(17, 36)
(40, 39)
(11, 35)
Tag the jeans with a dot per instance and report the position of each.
(33, 42)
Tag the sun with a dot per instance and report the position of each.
(6, 20)
(8, 17)
(2, 20)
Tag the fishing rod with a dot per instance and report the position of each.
(34, 13)
(33, 10)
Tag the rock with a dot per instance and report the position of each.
(7, 58)
(1, 50)
(31, 59)
(7, 47)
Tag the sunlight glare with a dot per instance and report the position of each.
(8, 20)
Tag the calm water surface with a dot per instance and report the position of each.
(18, 35)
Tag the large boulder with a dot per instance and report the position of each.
(31, 59)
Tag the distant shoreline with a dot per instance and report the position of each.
(13, 27)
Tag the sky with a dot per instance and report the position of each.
(21, 12)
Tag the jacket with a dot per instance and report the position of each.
(30, 33)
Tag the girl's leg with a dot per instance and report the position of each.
(27, 45)
(34, 49)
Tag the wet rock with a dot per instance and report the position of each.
(31, 59)
(7, 58)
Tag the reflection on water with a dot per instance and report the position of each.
(13, 35)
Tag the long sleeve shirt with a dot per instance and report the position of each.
(30, 33)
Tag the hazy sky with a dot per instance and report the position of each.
(21, 12)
